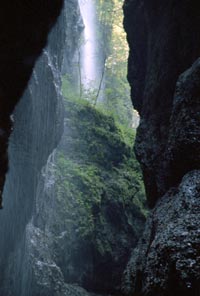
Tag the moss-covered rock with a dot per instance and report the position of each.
(100, 204)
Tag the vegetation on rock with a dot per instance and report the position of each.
(100, 196)
(99, 189)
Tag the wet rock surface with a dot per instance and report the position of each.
(167, 259)
(41, 274)
(184, 134)
(38, 127)
(164, 41)
(24, 29)
(164, 74)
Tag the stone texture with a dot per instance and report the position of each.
(27, 258)
(164, 40)
(184, 134)
(38, 127)
(23, 34)
(40, 275)
(167, 259)
(164, 74)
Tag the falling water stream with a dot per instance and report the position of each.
(90, 51)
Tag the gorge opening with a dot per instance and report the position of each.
(74, 189)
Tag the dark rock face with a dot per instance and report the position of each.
(24, 29)
(167, 259)
(164, 74)
(184, 134)
(164, 41)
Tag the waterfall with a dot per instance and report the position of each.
(91, 67)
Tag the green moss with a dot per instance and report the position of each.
(95, 166)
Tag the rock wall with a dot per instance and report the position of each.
(167, 259)
(38, 126)
(24, 29)
(164, 75)
(164, 41)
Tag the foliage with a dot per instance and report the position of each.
(116, 88)
(97, 171)
(78, 187)
(94, 166)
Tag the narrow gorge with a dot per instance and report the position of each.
(86, 212)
